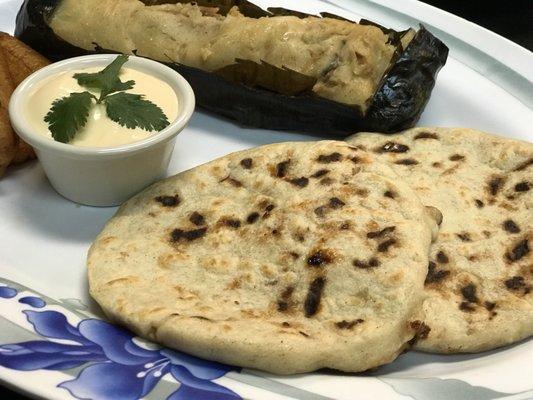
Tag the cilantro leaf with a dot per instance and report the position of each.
(68, 115)
(107, 80)
(119, 86)
(132, 111)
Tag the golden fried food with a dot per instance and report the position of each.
(20, 61)
(8, 139)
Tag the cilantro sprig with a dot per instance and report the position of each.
(69, 114)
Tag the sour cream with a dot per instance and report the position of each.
(100, 131)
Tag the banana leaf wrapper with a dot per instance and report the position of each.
(264, 96)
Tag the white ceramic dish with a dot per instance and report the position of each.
(486, 85)
(104, 176)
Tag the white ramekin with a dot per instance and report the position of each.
(103, 176)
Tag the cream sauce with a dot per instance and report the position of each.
(100, 131)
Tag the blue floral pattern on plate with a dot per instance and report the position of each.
(116, 368)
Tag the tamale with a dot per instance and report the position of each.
(274, 68)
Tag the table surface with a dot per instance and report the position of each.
(511, 19)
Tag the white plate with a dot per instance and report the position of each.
(486, 84)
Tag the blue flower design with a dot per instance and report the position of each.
(118, 368)
(33, 301)
(6, 292)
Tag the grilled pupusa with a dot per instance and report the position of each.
(480, 276)
(288, 258)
